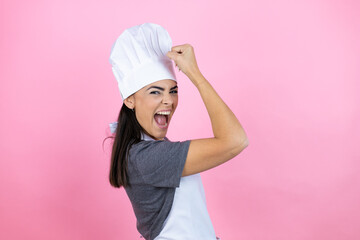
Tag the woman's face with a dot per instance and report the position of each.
(155, 105)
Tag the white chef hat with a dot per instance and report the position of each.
(138, 57)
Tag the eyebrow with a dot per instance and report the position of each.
(160, 88)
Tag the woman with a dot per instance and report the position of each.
(161, 178)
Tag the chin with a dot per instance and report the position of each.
(155, 131)
(160, 136)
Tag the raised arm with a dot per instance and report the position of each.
(229, 136)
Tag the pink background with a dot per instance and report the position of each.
(288, 69)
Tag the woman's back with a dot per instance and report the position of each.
(166, 205)
(154, 171)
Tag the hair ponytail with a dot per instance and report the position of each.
(128, 132)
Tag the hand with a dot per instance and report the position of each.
(184, 58)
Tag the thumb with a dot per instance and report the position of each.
(171, 55)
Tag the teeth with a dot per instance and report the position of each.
(164, 113)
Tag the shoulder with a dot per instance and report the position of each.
(150, 156)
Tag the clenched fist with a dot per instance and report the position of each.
(184, 58)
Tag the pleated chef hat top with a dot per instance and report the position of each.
(138, 57)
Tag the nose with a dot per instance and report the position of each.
(167, 99)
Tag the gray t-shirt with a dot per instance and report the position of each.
(154, 170)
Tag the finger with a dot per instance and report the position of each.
(172, 55)
(178, 49)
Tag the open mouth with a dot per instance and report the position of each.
(162, 118)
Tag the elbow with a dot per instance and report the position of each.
(240, 140)
(244, 143)
(238, 147)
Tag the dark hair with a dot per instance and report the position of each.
(128, 132)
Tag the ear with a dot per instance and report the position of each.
(130, 102)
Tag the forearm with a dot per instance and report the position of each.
(224, 123)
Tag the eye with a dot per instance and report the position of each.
(155, 92)
(174, 91)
